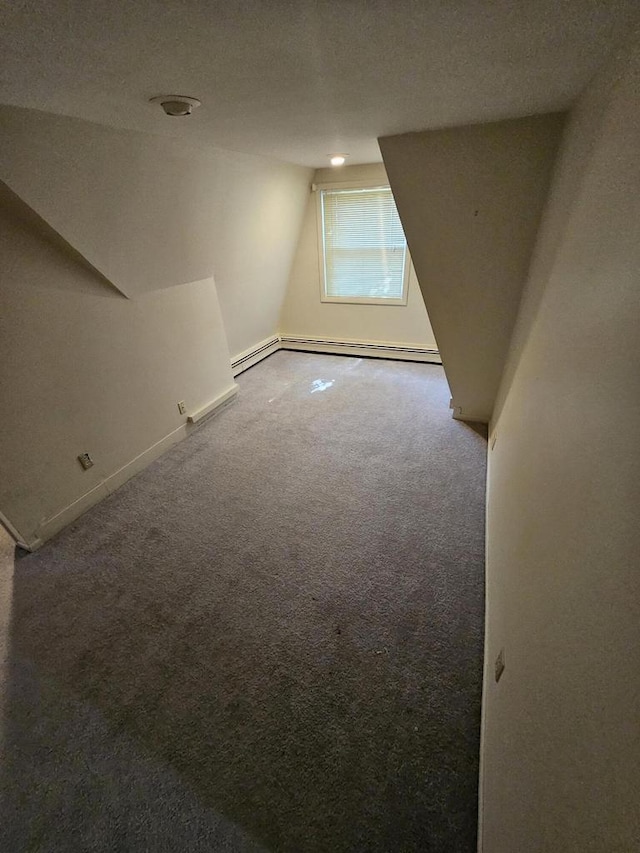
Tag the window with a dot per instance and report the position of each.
(363, 251)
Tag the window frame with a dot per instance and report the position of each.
(354, 300)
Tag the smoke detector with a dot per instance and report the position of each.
(176, 105)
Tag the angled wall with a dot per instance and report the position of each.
(470, 200)
(90, 216)
(133, 205)
(150, 212)
(85, 370)
(561, 729)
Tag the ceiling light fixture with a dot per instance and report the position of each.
(338, 159)
(176, 105)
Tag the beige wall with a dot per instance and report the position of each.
(254, 239)
(561, 743)
(135, 206)
(152, 212)
(82, 368)
(470, 200)
(304, 315)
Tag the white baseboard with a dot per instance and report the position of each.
(50, 526)
(361, 348)
(377, 349)
(23, 542)
(254, 354)
(213, 406)
(458, 415)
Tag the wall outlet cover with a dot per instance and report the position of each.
(85, 460)
(182, 407)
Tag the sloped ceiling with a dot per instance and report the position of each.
(300, 79)
(470, 200)
(22, 216)
(136, 210)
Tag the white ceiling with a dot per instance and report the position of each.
(300, 79)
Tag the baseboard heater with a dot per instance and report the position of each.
(363, 348)
(406, 353)
(255, 353)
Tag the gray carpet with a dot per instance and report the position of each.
(271, 639)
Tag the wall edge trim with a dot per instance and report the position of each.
(486, 664)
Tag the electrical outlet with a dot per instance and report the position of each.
(182, 407)
(494, 439)
(85, 460)
(499, 666)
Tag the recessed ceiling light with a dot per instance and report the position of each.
(176, 105)
(338, 159)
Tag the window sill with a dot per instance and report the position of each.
(354, 300)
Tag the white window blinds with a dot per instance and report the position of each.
(364, 248)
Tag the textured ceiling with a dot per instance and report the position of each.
(301, 79)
